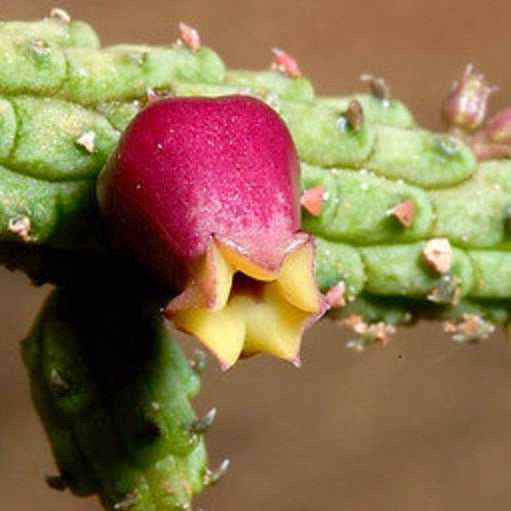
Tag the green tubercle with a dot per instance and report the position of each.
(112, 389)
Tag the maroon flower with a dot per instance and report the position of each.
(206, 192)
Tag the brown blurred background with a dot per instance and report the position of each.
(423, 425)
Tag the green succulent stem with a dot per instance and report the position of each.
(113, 389)
(66, 100)
(410, 224)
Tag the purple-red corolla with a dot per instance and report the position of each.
(206, 192)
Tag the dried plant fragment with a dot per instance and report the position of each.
(368, 333)
(377, 86)
(61, 15)
(472, 328)
(438, 254)
(87, 141)
(446, 291)
(21, 226)
(212, 477)
(203, 424)
(355, 115)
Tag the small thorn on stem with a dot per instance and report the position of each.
(335, 296)
(21, 226)
(377, 86)
(153, 95)
(189, 37)
(404, 212)
(150, 96)
(59, 385)
(202, 425)
(55, 482)
(355, 115)
(285, 63)
(60, 15)
(212, 477)
(312, 199)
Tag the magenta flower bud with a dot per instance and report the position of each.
(465, 106)
(206, 192)
(493, 141)
(498, 128)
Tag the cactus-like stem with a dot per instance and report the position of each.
(65, 101)
(113, 389)
(408, 224)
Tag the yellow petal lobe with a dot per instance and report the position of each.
(249, 309)
(296, 279)
(221, 331)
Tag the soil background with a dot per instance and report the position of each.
(423, 425)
